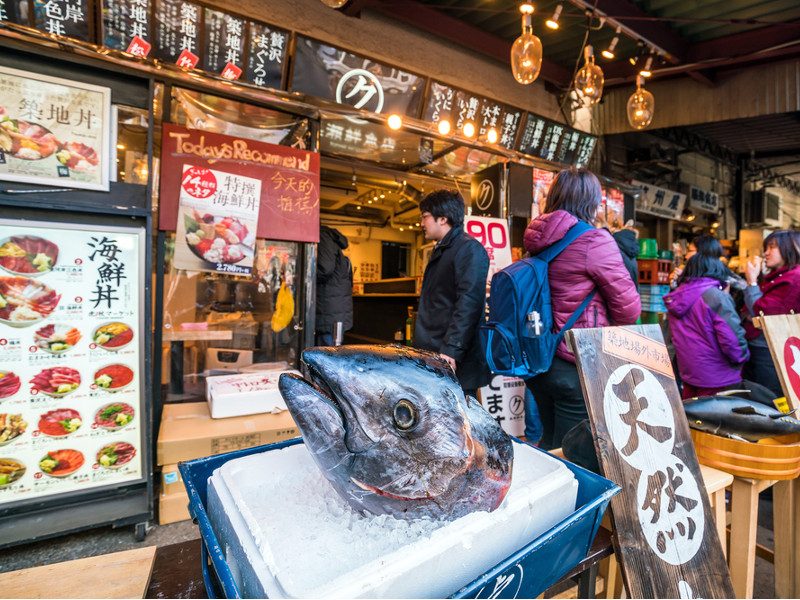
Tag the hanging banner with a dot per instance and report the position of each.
(53, 131)
(72, 345)
(556, 142)
(177, 32)
(70, 18)
(217, 221)
(288, 206)
(15, 11)
(126, 26)
(703, 200)
(224, 44)
(266, 56)
(659, 201)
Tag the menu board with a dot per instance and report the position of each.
(71, 356)
(53, 131)
(266, 55)
(16, 11)
(556, 142)
(346, 78)
(224, 44)
(126, 25)
(459, 106)
(70, 18)
(177, 32)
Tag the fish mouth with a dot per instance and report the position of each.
(378, 491)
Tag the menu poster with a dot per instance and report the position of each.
(53, 131)
(70, 18)
(266, 55)
(334, 74)
(585, 149)
(224, 44)
(15, 11)
(542, 180)
(126, 26)
(217, 221)
(177, 32)
(532, 135)
(440, 103)
(71, 350)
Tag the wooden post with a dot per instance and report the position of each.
(786, 526)
(666, 540)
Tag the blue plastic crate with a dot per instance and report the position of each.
(524, 574)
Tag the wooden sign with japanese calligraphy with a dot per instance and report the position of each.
(783, 337)
(177, 32)
(126, 26)
(70, 18)
(289, 188)
(665, 535)
(223, 52)
(266, 58)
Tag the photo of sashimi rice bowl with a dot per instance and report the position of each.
(115, 455)
(56, 382)
(217, 239)
(27, 255)
(60, 463)
(113, 378)
(10, 471)
(113, 336)
(25, 301)
(9, 384)
(114, 416)
(57, 339)
(60, 422)
(25, 140)
(11, 427)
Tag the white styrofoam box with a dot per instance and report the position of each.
(244, 394)
(268, 366)
(287, 534)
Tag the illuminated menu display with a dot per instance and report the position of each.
(556, 142)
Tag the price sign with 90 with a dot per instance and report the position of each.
(491, 233)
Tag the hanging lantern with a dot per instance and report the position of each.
(526, 52)
(589, 80)
(334, 3)
(641, 106)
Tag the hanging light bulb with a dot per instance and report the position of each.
(635, 58)
(552, 22)
(646, 72)
(468, 129)
(443, 126)
(334, 3)
(641, 106)
(609, 52)
(491, 135)
(589, 80)
(526, 52)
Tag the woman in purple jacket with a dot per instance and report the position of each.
(705, 329)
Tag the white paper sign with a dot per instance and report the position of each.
(504, 399)
(660, 201)
(492, 233)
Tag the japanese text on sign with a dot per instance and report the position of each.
(631, 346)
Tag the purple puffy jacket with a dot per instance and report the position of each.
(592, 262)
(707, 334)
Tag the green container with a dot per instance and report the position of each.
(666, 254)
(649, 318)
(648, 248)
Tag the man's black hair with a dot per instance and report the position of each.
(444, 203)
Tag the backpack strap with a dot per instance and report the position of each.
(576, 315)
(572, 234)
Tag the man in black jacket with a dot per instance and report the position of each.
(453, 296)
(334, 286)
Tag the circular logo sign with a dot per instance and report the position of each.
(791, 358)
(485, 195)
(517, 406)
(360, 89)
(199, 182)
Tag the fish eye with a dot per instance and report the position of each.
(405, 415)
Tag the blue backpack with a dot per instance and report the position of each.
(519, 338)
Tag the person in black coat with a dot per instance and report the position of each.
(629, 248)
(453, 297)
(334, 286)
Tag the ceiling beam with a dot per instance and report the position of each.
(354, 7)
(745, 43)
(776, 153)
(425, 18)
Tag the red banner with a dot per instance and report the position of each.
(289, 207)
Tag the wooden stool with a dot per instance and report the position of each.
(786, 529)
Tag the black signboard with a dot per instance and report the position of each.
(266, 55)
(327, 72)
(16, 11)
(70, 18)
(224, 44)
(485, 191)
(126, 25)
(177, 32)
(459, 107)
(556, 142)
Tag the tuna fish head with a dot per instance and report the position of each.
(392, 431)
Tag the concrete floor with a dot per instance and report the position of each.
(105, 540)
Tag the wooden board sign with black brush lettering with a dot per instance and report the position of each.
(665, 536)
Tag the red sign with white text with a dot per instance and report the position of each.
(289, 203)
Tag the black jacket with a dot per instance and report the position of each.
(452, 304)
(334, 282)
(629, 248)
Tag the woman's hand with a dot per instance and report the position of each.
(753, 270)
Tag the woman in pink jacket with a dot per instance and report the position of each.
(591, 263)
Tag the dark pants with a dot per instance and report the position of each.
(560, 400)
(761, 369)
(323, 339)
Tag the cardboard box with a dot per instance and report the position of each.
(171, 480)
(187, 432)
(173, 507)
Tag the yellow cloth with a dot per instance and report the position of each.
(284, 309)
